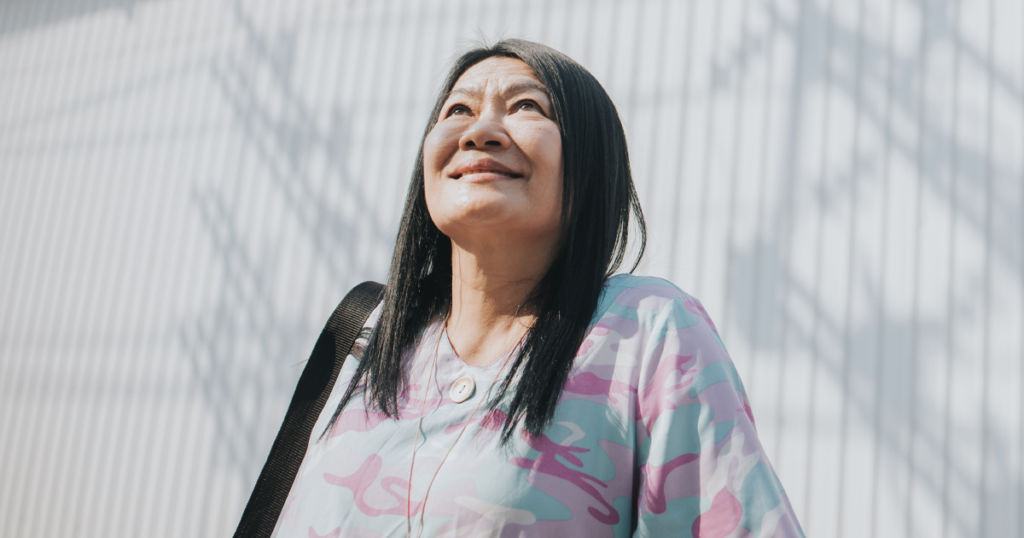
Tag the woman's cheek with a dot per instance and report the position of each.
(438, 147)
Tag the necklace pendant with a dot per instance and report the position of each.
(462, 389)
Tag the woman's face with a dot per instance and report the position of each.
(493, 162)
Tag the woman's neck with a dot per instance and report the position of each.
(489, 315)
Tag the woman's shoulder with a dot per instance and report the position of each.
(650, 301)
(643, 284)
(642, 293)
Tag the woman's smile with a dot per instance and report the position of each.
(483, 170)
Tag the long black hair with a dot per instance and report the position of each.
(597, 199)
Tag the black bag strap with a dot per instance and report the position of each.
(315, 384)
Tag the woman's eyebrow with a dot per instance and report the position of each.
(468, 92)
(514, 88)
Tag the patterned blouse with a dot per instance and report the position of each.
(652, 436)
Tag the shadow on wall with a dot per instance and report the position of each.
(244, 355)
(242, 352)
(26, 15)
(763, 271)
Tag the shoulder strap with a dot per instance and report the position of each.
(315, 384)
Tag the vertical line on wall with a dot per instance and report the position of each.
(425, 67)
(613, 38)
(420, 67)
(762, 172)
(177, 422)
(883, 240)
(43, 310)
(657, 98)
(567, 24)
(819, 260)
(684, 117)
(20, 482)
(253, 77)
(460, 21)
(11, 490)
(9, 89)
(954, 164)
(86, 305)
(31, 239)
(384, 100)
(436, 63)
(784, 216)
(173, 494)
(915, 325)
(363, 95)
(503, 30)
(634, 66)
(312, 181)
(589, 9)
(79, 374)
(741, 69)
(1020, 360)
(154, 426)
(19, 97)
(709, 143)
(193, 341)
(128, 397)
(986, 310)
(13, 240)
(850, 267)
(545, 11)
(525, 5)
(586, 33)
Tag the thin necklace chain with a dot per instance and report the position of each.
(419, 424)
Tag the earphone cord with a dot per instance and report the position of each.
(426, 495)
(416, 440)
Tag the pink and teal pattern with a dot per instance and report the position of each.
(653, 436)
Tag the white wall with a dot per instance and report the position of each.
(188, 187)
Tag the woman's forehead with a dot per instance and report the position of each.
(504, 75)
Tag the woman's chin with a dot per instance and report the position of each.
(473, 223)
(494, 226)
(480, 211)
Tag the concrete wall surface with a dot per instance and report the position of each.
(188, 188)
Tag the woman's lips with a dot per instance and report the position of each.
(484, 166)
(475, 172)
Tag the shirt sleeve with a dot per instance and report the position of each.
(702, 470)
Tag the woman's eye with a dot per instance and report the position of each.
(528, 105)
(458, 110)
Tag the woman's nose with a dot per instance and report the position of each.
(486, 132)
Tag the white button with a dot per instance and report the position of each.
(462, 389)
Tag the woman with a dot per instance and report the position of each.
(509, 387)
